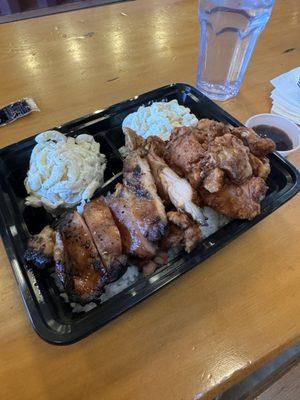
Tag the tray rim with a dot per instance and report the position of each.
(36, 319)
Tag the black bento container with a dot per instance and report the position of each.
(50, 315)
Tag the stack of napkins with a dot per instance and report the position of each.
(286, 95)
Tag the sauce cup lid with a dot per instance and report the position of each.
(289, 127)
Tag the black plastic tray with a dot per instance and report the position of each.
(51, 317)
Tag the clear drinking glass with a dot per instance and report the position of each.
(229, 30)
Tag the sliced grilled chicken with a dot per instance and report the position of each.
(106, 237)
(180, 192)
(134, 218)
(139, 180)
(135, 142)
(78, 264)
(156, 164)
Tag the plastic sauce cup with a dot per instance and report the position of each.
(289, 127)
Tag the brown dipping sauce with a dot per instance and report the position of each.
(281, 139)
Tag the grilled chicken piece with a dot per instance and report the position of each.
(135, 142)
(106, 237)
(78, 264)
(139, 180)
(228, 153)
(143, 146)
(136, 218)
(40, 248)
(132, 140)
(177, 237)
(179, 191)
(156, 145)
(259, 146)
(156, 164)
(242, 202)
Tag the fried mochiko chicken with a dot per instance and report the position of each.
(258, 146)
(228, 153)
(220, 162)
(237, 201)
(184, 154)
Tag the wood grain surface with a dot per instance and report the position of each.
(219, 322)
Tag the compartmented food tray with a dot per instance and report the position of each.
(52, 317)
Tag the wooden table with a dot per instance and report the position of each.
(222, 320)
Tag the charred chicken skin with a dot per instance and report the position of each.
(106, 236)
(139, 180)
(133, 216)
(40, 248)
(77, 261)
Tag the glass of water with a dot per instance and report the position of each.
(229, 31)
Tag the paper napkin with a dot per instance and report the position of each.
(286, 95)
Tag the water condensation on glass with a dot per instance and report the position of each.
(229, 31)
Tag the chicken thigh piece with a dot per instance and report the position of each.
(179, 191)
(78, 264)
(133, 141)
(214, 180)
(237, 201)
(229, 154)
(136, 218)
(260, 166)
(259, 146)
(184, 153)
(106, 237)
(139, 180)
